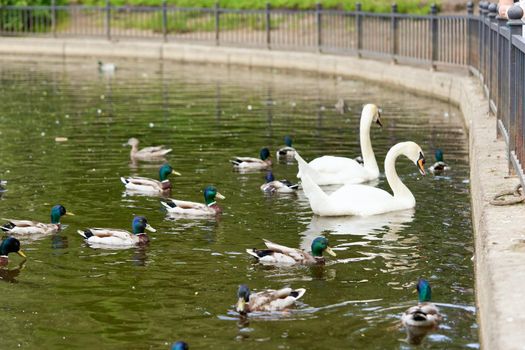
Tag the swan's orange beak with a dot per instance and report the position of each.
(421, 164)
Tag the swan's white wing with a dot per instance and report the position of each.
(360, 200)
(329, 170)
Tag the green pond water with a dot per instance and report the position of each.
(183, 284)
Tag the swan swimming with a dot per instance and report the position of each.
(331, 170)
(362, 200)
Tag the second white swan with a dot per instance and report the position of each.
(361, 199)
(331, 170)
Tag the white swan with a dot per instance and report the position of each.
(361, 199)
(331, 170)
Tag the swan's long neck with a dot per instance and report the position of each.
(400, 190)
(369, 159)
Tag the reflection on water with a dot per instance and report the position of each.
(183, 284)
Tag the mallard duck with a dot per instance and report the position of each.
(250, 163)
(27, 227)
(288, 151)
(119, 238)
(9, 245)
(180, 345)
(279, 254)
(425, 314)
(154, 153)
(439, 166)
(361, 199)
(147, 185)
(280, 186)
(267, 300)
(175, 206)
(106, 67)
(331, 170)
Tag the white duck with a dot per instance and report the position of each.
(331, 170)
(361, 199)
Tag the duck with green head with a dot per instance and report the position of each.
(209, 208)
(109, 237)
(277, 186)
(439, 166)
(425, 314)
(277, 254)
(151, 186)
(266, 300)
(287, 152)
(28, 227)
(9, 245)
(248, 163)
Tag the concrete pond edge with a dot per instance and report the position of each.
(499, 231)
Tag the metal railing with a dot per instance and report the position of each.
(491, 47)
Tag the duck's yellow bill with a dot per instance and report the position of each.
(176, 173)
(70, 213)
(149, 228)
(21, 253)
(240, 305)
(330, 251)
(220, 196)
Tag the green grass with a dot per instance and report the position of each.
(404, 6)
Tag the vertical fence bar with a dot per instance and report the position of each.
(359, 28)
(434, 34)
(108, 19)
(318, 24)
(515, 24)
(470, 13)
(394, 33)
(492, 8)
(268, 26)
(499, 67)
(217, 23)
(482, 13)
(165, 20)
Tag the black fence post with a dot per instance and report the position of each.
(359, 28)
(493, 9)
(515, 24)
(502, 22)
(470, 13)
(217, 23)
(54, 18)
(434, 34)
(394, 33)
(482, 12)
(165, 20)
(318, 23)
(268, 26)
(108, 19)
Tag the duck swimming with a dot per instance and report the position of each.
(108, 237)
(439, 166)
(365, 200)
(175, 206)
(425, 314)
(151, 186)
(277, 186)
(27, 227)
(249, 163)
(154, 153)
(278, 254)
(287, 151)
(331, 170)
(9, 245)
(267, 300)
